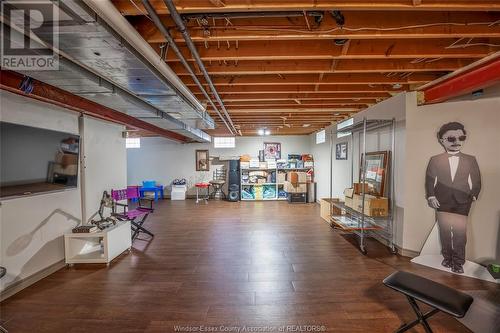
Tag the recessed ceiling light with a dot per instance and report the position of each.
(260, 131)
(396, 86)
(306, 125)
(267, 132)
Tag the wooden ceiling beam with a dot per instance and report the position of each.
(324, 108)
(327, 79)
(358, 25)
(325, 66)
(207, 6)
(326, 49)
(303, 103)
(300, 89)
(368, 97)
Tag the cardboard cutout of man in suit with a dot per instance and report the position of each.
(453, 182)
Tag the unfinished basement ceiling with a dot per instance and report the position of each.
(297, 66)
(100, 65)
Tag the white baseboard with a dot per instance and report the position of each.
(26, 282)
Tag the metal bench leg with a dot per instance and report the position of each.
(421, 318)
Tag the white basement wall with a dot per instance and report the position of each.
(32, 228)
(163, 160)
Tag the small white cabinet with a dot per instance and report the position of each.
(98, 247)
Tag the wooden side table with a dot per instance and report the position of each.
(98, 247)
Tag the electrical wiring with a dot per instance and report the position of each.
(139, 9)
(459, 46)
(490, 24)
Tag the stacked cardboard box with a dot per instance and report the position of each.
(296, 182)
(374, 206)
(295, 188)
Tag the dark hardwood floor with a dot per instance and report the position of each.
(231, 264)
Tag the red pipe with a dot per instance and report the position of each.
(477, 78)
(11, 81)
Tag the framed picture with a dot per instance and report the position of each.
(376, 171)
(202, 160)
(272, 150)
(341, 151)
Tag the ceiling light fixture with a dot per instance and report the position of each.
(306, 125)
(260, 131)
(267, 132)
(396, 86)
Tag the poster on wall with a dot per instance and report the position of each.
(452, 184)
(272, 150)
(202, 160)
(341, 151)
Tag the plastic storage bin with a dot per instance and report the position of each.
(178, 192)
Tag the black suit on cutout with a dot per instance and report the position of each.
(454, 196)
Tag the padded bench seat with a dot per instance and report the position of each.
(440, 297)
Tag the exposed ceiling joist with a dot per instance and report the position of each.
(320, 66)
(358, 25)
(203, 6)
(327, 79)
(329, 89)
(326, 49)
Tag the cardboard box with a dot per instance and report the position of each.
(358, 188)
(281, 178)
(348, 194)
(295, 188)
(374, 206)
(69, 170)
(254, 163)
(66, 159)
(271, 164)
(325, 208)
(296, 176)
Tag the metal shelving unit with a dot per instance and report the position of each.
(357, 222)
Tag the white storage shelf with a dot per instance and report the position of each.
(98, 247)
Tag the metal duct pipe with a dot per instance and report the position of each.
(189, 42)
(164, 31)
(108, 12)
(251, 14)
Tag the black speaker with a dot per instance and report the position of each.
(234, 181)
(234, 193)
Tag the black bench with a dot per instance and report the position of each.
(436, 295)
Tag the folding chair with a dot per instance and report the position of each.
(136, 216)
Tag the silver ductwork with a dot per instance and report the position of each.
(99, 63)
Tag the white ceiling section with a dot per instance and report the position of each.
(99, 63)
